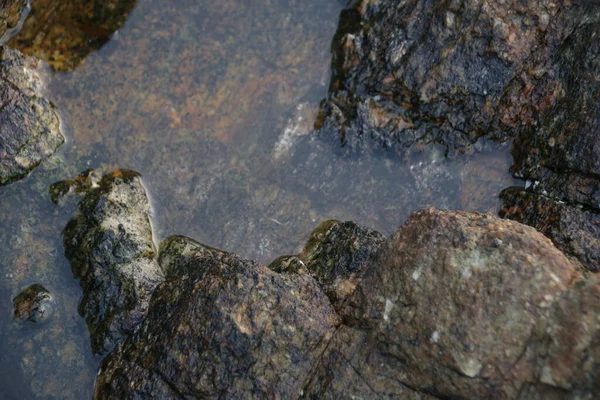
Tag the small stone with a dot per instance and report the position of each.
(34, 304)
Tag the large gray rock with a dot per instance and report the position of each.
(29, 127)
(111, 250)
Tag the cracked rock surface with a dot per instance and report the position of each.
(29, 127)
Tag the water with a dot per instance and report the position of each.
(213, 103)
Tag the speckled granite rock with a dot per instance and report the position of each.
(29, 127)
(111, 250)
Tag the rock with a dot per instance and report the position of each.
(453, 309)
(560, 155)
(454, 305)
(222, 327)
(34, 304)
(111, 250)
(11, 12)
(451, 73)
(29, 127)
(63, 32)
(573, 229)
(337, 254)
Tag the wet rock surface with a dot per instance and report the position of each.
(223, 327)
(449, 72)
(559, 155)
(454, 305)
(111, 250)
(29, 127)
(11, 12)
(63, 33)
(34, 304)
(337, 254)
(573, 229)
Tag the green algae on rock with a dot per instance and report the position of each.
(29, 127)
(110, 246)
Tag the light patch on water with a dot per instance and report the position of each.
(387, 309)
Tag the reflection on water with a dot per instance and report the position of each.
(213, 102)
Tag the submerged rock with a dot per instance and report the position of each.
(34, 304)
(11, 12)
(451, 72)
(222, 327)
(29, 127)
(337, 253)
(64, 32)
(454, 305)
(111, 250)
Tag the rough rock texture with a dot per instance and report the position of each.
(451, 307)
(111, 250)
(29, 127)
(222, 328)
(64, 32)
(454, 305)
(573, 229)
(449, 71)
(11, 12)
(34, 304)
(559, 155)
(337, 253)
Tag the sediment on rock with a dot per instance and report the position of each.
(29, 127)
(110, 247)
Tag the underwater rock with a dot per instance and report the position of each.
(454, 305)
(34, 304)
(11, 12)
(29, 127)
(422, 71)
(221, 326)
(111, 250)
(64, 32)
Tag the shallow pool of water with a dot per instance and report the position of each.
(213, 103)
